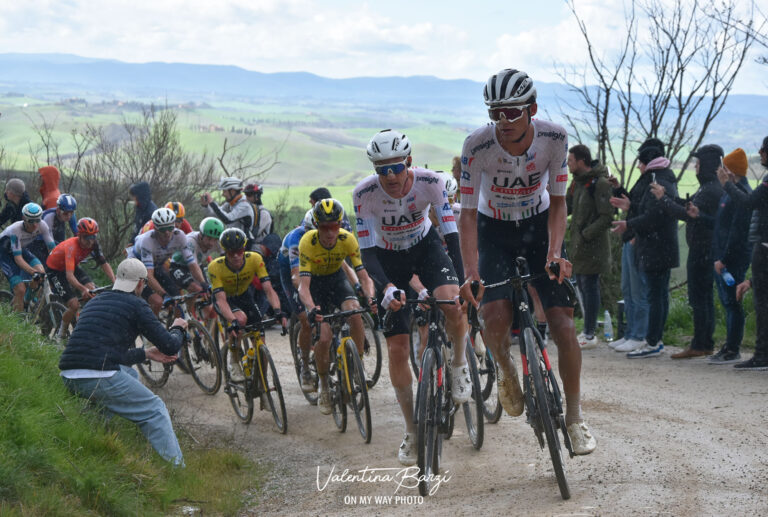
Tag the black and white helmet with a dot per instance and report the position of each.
(509, 87)
(231, 183)
(387, 144)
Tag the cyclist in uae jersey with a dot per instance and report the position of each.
(65, 272)
(154, 248)
(16, 260)
(323, 284)
(506, 212)
(397, 242)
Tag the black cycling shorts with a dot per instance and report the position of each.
(501, 242)
(246, 303)
(429, 260)
(330, 291)
(180, 275)
(166, 281)
(61, 287)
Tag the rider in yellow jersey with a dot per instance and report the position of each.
(323, 286)
(231, 276)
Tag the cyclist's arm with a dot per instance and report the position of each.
(220, 298)
(351, 275)
(556, 224)
(108, 271)
(468, 230)
(304, 295)
(24, 265)
(295, 276)
(272, 298)
(72, 279)
(454, 253)
(197, 273)
(367, 283)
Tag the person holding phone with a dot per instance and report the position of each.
(654, 252)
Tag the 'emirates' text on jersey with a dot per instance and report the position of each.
(512, 188)
(398, 224)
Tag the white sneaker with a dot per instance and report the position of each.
(461, 385)
(581, 338)
(582, 440)
(324, 402)
(618, 342)
(588, 344)
(510, 394)
(407, 452)
(630, 345)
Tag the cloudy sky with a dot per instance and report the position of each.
(333, 38)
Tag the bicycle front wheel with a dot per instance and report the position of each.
(272, 391)
(336, 391)
(155, 374)
(311, 396)
(538, 370)
(473, 409)
(240, 392)
(371, 351)
(51, 316)
(358, 396)
(414, 341)
(428, 419)
(202, 357)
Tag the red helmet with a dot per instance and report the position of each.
(253, 188)
(87, 226)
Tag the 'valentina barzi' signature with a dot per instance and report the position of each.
(407, 477)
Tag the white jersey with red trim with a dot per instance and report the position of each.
(513, 188)
(398, 224)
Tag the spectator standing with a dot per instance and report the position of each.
(757, 200)
(657, 248)
(144, 206)
(589, 203)
(96, 363)
(16, 197)
(49, 185)
(236, 212)
(699, 215)
(731, 250)
(263, 224)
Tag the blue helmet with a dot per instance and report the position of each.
(67, 202)
(32, 213)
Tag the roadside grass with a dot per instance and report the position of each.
(61, 456)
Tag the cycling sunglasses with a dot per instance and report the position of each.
(166, 228)
(510, 114)
(394, 168)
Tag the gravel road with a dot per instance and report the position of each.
(674, 438)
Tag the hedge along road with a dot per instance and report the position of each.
(674, 438)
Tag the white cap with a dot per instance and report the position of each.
(129, 272)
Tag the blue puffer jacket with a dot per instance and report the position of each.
(144, 206)
(106, 332)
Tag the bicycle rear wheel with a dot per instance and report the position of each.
(428, 417)
(371, 351)
(240, 392)
(473, 409)
(272, 390)
(202, 357)
(155, 374)
(298, 361)
(538, 371)
(359, 394)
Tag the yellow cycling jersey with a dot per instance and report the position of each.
(315, 259)
(235, 283)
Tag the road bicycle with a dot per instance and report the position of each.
(543, 400)
(486, 366)
(41, 307)
(252, 374)
(198, 356)
(347, 383)
(434, 409)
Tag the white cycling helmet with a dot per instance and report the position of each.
(163, 217)
(387, 144)
(231, 183)
(509, 87)
(451, 187)
(309, 220)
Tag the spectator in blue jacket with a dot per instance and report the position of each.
(731, 250)
(96, 364)
(142, 196)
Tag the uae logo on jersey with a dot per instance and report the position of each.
(530, 167)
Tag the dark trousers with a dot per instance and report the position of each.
(760, 295)
(657, 285)
(701, 299)
(734, 312)
(589, 285)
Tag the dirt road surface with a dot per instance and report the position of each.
(674, 438)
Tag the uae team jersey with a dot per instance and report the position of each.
(513, 188)
(400, 223)
(149, 250)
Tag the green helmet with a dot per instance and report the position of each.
(211, 227)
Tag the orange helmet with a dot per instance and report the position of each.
(87, 226)
(177, 208)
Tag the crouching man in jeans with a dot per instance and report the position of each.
(96, 364)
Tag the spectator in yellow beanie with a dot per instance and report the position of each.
(736, 162)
